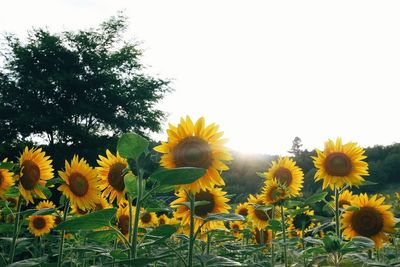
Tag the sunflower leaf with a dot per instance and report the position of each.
(142, 261)
(274, 225)
(224, 217)
(352, 208)
(7, 165)
(132, 145)
(363, 242)
(43, 212)
(130, 182)
(103, 236)
(178, 176)
(90, 221)
(315, 198)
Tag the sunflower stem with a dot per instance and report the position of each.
(303, 244)
(15, 232)
(209, 236)
(192, 237)
(137, 212)
(284, 236)
(61, 246)
(337, 213)
(115, 248)
(273, 238)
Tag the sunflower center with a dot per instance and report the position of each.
(123, 224)
(115, 177)
(161, 221)
(235, 227)
(30, 174)
(338, 164)
(284, 176)
(192, 152)
(302, 221)
(243, 212)
(78, 184)
(39, 222)
(203, 210)
(367, 221)
(146, 217)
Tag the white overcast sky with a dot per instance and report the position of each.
(265, 71)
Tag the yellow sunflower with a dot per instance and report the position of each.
(102, 203)
(242, 209)
(6, 180)
(274, 192)
(163, 219)
(217, 204)
(195, 145)
(45, 204)
(373, 219)
(345, 198)
(111, 174)
(257, 217)
(339, 164)
(286, 173)
(41, 224)
(236, 227)
(81, 185)
(148, 219)
(262, 237)
(78, 211)
(123, 219)
(300, 223)
(35, 170)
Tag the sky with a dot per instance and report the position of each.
(265, 71)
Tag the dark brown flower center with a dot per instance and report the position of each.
(258, 236)
(1, 178)
(123, 224)
(367, 221)
(78, 184)
(115, 177)
(302, 221)
(39, 223)
(338, 164)
(146, 217)
(235, 227)
(203, 210)
(192, 152)
(243, 212)
(283, 176)
(161, 221)
(30, 174)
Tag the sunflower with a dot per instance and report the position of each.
(111, 174)
(35, 170)
(45, 204)
(262, 237)
(242, 209)
(78, 211)
(373, 219)
(81, 185)
(163, 219)
(41, 224)
(195, 145)
(286, 173)
(102, 204)
(300, 223)
(148, 219)
(6, 180)
(274, 192)
(345, 198)
(258, 217)
(236, 227)
(217, 204)
(123, 219)
(339, 164)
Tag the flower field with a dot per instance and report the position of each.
(118, 214)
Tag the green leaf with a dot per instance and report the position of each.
(119, 254)
(315, 198)
(178, 176)
(90, 221)
(29, 262)
(142, 261)
(54, 181)
(363, 242)
(224, 217)
(45, 191)
(12, 192)
(331, 243)
(131, 184)
(366, 183)
(7, 165)
(352, 208)
(6, 228)
(131, 145)
(293, 203)
(274, 225)
(217, 261)
(103, 236)
(261, 175)
(45, 211)
(166, 188)
(164, 230)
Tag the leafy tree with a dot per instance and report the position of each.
(77, 89)
(296, 146)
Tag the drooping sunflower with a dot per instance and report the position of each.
(274, 192)
(148, 219)
(340, 164)
(287, 173)
(195, 145)
(40, 224)
(236, 227)
(35, 171)
(242, 209)
(217, 204)
(373, 219)
(45, 204)
(300, 223)
(123, 219)
(111, 174)
(6, 180)
(259, 218)
(81, 185)
(262, 237)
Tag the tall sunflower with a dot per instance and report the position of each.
(6, 180)
(339, 164)
(196, 145)
(41, 224)
(35, 170)
(274, 192)
(242, 209)
(373, 219)
(111, 174)
(217, 204)
(287, 173)
(81, 185)
(300, 223)
(259, 218)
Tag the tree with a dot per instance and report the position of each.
(77, 88)
(296, 146)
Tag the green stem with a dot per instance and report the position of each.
(130, 235)
(272, 241)
(61, 247)
(192, 237)
(303, 244)
(337, 214)
(15, 232)
(137, 212)
(284, 236)
(208, 243)
(115, 248)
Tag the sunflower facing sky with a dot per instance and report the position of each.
(196, 145)
(81, 185)
(286, 173)
(6, 180)
(41, 224)
(340, 164)
(45, 204)
(35, 170)
(111, 173)
(373, 219)
(217, 204)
